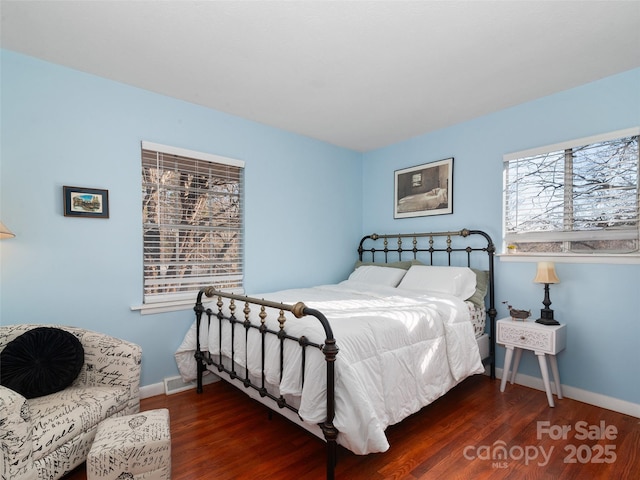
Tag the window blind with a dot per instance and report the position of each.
(582, 196)
(192, 222)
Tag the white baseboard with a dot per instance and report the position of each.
(592, 398)
(152, 390)
(160, 388)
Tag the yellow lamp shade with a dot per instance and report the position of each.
(5, 232)
(546, 273)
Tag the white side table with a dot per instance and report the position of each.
(543, 340)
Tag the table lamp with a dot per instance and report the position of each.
(546, 274)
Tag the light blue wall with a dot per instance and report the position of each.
(599, 303)
(62, 127)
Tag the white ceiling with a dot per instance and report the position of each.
(358, 74)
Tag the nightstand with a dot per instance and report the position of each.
(543, 340)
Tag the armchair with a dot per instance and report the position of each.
(46, 437)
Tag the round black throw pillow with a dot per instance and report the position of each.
(41, 361)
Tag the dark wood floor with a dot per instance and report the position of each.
(222, 434)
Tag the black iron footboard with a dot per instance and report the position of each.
(299, 310)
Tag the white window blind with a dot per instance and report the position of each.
(192, 206)
(576, 197)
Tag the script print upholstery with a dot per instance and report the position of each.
(133, 447)
(46, 437)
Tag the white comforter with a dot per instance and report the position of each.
(398, 351)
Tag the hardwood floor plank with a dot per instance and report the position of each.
(223, 434)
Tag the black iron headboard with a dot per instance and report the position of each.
(471, 248)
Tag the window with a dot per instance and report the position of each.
(579, 197)
(192, 222)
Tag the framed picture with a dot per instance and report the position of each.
(85, 202)
(424, 190)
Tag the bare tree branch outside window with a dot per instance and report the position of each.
(192, 220)
(580, 199)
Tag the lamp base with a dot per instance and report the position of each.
(546, 317)
(547, 321)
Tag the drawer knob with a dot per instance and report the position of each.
(523, 338)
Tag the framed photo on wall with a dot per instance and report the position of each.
(424, 190)
(85, 202)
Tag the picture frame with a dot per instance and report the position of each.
(423, 190)
(85, 202)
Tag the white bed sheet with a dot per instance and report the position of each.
(399, 351)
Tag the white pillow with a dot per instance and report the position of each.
(457, 281)
(378, 275)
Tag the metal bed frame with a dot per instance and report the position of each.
(435, 248)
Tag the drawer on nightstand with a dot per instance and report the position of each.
(531, 336)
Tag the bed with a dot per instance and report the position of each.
(423, 201)
(415, 318)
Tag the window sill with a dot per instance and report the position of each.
(626, 259)
(163, 307)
